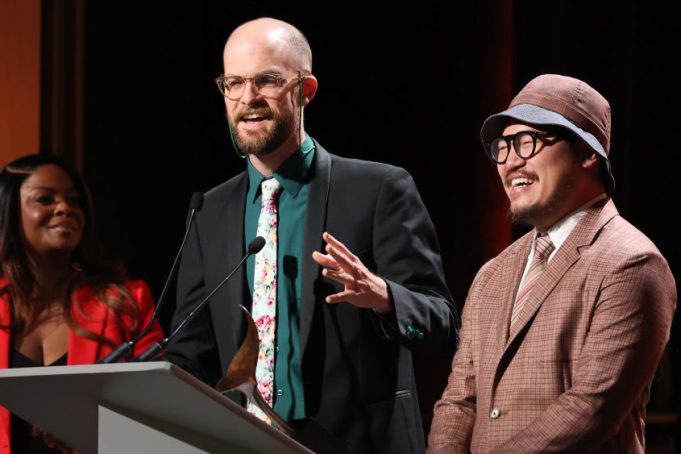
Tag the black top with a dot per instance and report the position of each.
(22, 440)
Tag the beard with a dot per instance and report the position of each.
(530, 214)
(263, 142)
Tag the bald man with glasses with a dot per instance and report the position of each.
(350, 280)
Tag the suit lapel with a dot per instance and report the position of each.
(563, 260)
(508, 284)
(226, 248)
(315, 223)
(5, 320)
(92, 316)
(569, 253)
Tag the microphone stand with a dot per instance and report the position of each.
(253, 248)
(126, 348)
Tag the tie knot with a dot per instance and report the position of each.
(270, 189)
(543, 247)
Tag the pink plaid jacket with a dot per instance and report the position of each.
(576, 376)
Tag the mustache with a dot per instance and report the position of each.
(265, 112)
(521, 174)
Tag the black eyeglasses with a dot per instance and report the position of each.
(265, 84)
(524, 145)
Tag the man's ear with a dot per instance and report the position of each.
(590, 161)
(309, 84)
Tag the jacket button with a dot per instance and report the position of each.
(494, 414)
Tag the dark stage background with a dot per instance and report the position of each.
(409, 85)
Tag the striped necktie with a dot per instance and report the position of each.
(542, 249)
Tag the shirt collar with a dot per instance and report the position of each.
(291, 175)
(562, 229)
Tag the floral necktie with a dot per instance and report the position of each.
(265, 294)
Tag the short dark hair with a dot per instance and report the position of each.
(583, 150)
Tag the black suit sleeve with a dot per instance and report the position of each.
(194, 348)
(408, 259)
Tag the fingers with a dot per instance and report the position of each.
(330, 239)
(324, 260)
(361, 287)
(49, 440)
(341, 266)
(340, 276)
(337, 257)
(342, 254)
(345, 295)
(343, 261)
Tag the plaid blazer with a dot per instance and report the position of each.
(576, 375)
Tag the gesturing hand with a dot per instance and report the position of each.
(362, 287)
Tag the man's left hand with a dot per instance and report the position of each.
(362, 287)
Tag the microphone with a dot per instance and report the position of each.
(126, 348)
(253, 248)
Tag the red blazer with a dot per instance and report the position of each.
(94, 316)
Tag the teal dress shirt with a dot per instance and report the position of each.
(293, 176)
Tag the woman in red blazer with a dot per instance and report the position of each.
(60, 302)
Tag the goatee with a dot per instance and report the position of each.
(266, 141)
(529, 215)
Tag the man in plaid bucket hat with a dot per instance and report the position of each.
(563, 330)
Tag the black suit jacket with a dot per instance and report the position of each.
(357, 366)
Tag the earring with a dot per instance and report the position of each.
(75, 266)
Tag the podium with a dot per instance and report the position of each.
(153, 407)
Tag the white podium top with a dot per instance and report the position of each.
(64, 401)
